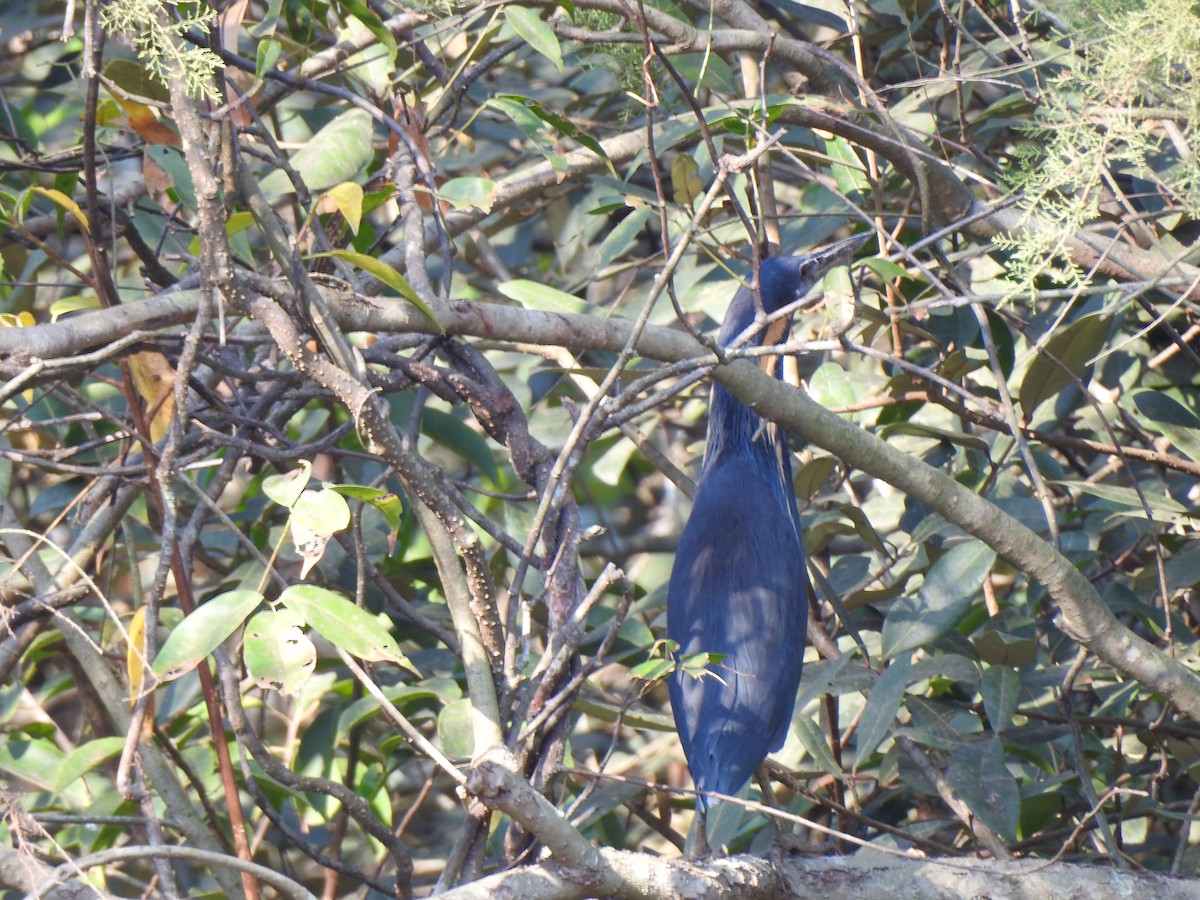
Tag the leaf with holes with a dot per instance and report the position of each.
(343, 624)
(203, 631)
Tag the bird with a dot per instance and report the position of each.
(739, 586)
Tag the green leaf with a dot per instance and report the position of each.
(542, 297)
(1159, 502)
(365, 707)
(882, 706)
(343, 624)
(266, 55)
(202, 632)
(537, 33)
(172, 162)
(563, 126)
(449, 431)
(387, 502)
(278, 654)
(467, 192)
(1173, 420)
(816, 744)
(455, 728)
(848, 170)
(336, 153)
(621, 238)
(653, 669)
(979, 775)
(386, 274)
(950, 586)
(323, 512)
(84, 758)
(286, 487)
(1073, 347)
(885, 268)
(1000, 687)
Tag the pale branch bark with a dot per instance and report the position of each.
(207, 858)
(1082, 614)
(840, 878)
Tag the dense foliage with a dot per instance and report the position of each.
(355, 360)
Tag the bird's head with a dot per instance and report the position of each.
(784, 280)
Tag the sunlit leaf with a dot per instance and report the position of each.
(343, 624)
(334, 154)
(1067, 353)
(286, 487)
(455, 728)
(882, 705)
(203, 631)
(539, 35)
(950, 586)
(278, 654)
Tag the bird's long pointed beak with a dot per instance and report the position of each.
(828, 257)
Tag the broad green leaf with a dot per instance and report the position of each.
(542, 297)
(323, 512)
(266, 55)
(348, 198)
(539, 35)
(1073, 347)
(334, 154)
(882, 706)
(816, 744)
(848, 170)
(979, 775)
(1000, 648)
(84, 758)
(278, 654)
(563, 126)
(343, 624)
(1156, 499)
(467, 192)
(366, 707)
(34, 760)
(171, 161)
(455, 728)
(389, 504)
(621, 238)
(286, 488)
(1000, 687)
(950, 586)
(202, 632)
(917, 429)
(1174, 420)
(652, 669)
(534, 126)
(389, 276)
(885, 268)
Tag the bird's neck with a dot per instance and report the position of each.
(733, 427)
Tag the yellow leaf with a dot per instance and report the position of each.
(348, 197)
(685, 180)
(154, 380)
(66, 203)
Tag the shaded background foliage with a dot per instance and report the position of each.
(1018, 328)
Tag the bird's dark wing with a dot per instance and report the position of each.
(739, 588)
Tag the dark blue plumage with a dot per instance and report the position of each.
(740, 586)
